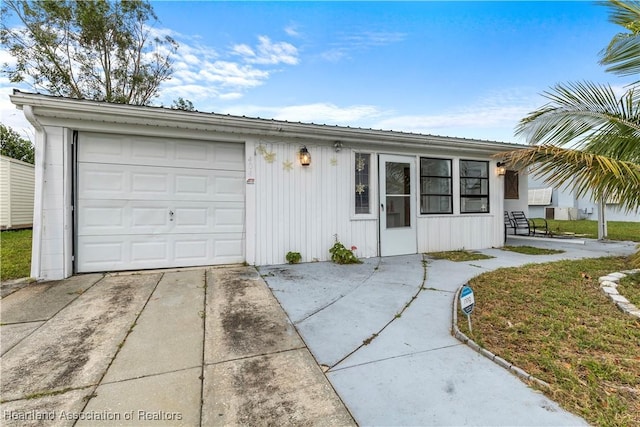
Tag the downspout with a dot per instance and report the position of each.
(40, 147)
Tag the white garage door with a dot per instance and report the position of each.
(153, 202)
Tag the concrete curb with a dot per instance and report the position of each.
(486, 353)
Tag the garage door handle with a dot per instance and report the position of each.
(170, 215)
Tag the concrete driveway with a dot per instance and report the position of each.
(190, 347)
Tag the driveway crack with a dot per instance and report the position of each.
(396, 317)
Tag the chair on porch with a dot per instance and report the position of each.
(508, 223)
(520, 222)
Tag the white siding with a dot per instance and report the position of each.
(466, 231)
(301, 209)
(16, 192)
(52, 228)
(457, 232)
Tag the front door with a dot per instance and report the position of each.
(397, 205)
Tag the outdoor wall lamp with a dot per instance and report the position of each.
(501, 169)
(305, 157)
(338, 146)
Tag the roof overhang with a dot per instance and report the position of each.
(86, 115)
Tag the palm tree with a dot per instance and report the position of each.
(586, 137)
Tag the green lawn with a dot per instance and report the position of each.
(15, 254)
(553, 321)
(618, 230)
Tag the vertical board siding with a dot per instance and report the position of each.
(17, 184)
(301, 209)
(456, 232)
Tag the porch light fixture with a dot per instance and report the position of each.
(305, 157)
(501, 169)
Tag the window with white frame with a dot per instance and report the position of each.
(435, 186)
(362, 183)
(474, 186)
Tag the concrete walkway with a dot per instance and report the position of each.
(193, 347)
(382, 330)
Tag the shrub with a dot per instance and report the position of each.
(342, 255)
(293, 257)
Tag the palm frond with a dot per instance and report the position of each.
(623, 52)
(586, 115)
(581, 171)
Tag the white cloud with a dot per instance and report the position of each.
(10, 115)
(292, 30)
(218, 75)
(497, 113)
(320, 113)
(348, 43)
(268, 52)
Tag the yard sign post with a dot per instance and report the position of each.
(467, 301)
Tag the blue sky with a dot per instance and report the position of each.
(466, 69)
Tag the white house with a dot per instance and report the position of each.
(16, 194)
(562, 203)
(121, 187)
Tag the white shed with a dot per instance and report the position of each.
(17, 180)
(122, 187)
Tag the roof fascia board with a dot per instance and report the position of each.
(79, 114)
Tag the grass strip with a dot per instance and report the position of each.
(458, 256)
(531, 250)
(15, 254)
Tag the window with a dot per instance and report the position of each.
(435, 186)
(474, 186)
(511, 190)
(363, 187)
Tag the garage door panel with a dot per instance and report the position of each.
(149, 151)
(112, 182)
(103, 217)
(229, 249)
(108, 252)
(149, 251)
(115, 252)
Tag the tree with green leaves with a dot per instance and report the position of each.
(182, 104)
(587, 137)
(92, 49)
(14, 146)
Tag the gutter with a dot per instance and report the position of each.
(79, 112)
(36, 239)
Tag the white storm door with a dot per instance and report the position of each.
(397, 205)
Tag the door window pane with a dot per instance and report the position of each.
(398, 178)
(398, 191)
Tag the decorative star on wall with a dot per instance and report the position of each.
(333, 161)
(269, 157)
(287, 165)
